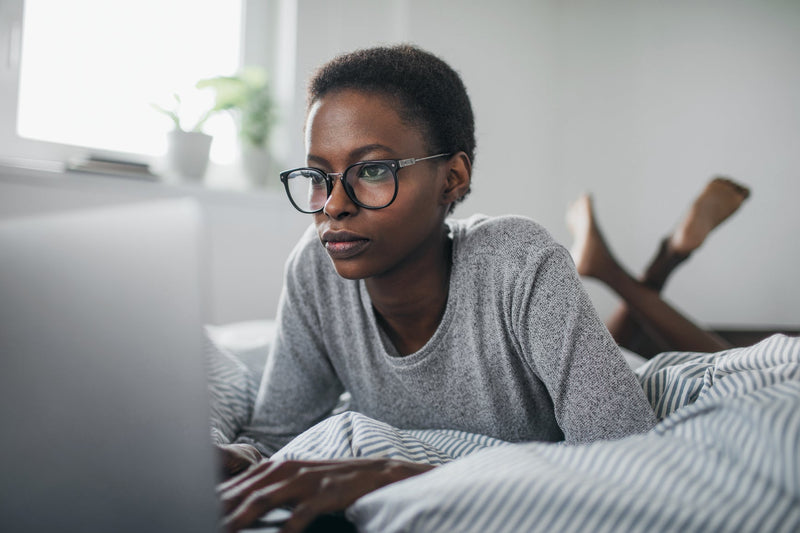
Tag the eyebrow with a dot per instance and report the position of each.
(355, 155)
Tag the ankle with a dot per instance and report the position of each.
(662, 265)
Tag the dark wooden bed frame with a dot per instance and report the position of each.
(747, 337)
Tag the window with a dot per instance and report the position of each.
(89, 68)
(79, 77)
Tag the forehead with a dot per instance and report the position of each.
(345, 120)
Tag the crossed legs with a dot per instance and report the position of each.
(644, 323)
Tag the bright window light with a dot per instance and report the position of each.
(91, 69)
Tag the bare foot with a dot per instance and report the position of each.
(589, 251)
(719, 200)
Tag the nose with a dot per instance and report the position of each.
(339, 204)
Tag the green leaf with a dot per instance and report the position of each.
(173, 113)
(245, 94)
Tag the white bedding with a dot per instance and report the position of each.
(729, 461)
(725, 456)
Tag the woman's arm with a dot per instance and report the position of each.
(595, 394)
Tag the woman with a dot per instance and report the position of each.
(480, 325)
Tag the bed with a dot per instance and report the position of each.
(725, 455)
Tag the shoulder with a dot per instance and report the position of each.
(510, 237)
(512, 254)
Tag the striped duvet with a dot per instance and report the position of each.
(725, 456)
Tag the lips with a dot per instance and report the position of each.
(343, 244)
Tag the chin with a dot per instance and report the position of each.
(349, 269)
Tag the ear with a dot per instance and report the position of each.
(459, 175)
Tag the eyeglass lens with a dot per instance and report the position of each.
(368, 184)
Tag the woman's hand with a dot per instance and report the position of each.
(236, 458)
(312, 488)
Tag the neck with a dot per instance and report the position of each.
(410, 301)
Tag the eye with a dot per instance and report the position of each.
(315, 179)
(373, 172)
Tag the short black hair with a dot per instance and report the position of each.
(431, 94)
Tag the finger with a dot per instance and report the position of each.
(251, 453)
(329, 497)
(269, 487)
(233, 465)
(243, 477)
(254, 505)
(275, 484)
(265, 474)
(235, 458)
(270, 472)
(263, 500)
(339, 488)
(233, 492)
(302, 516)
(290, 483)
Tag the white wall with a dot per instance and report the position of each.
(655, 99)
(638, 102)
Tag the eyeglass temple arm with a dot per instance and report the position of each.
(410, 161)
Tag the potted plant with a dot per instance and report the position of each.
(247, 95)
(187, 149)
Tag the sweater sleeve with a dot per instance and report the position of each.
(595, 394)
(299, 386)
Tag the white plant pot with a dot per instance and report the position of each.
(187, 154)
(256, 165)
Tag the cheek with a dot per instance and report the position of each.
(421, 198)
(414, 212)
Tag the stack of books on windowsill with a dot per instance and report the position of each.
(112, 167)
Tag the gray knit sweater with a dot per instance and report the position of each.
(520, 353)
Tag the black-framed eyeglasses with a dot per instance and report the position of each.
(369, 184)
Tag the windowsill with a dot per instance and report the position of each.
(222, 183)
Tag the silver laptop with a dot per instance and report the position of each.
(103, 398)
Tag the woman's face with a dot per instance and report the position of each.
(348, 126)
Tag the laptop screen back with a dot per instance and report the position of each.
(102, 379)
